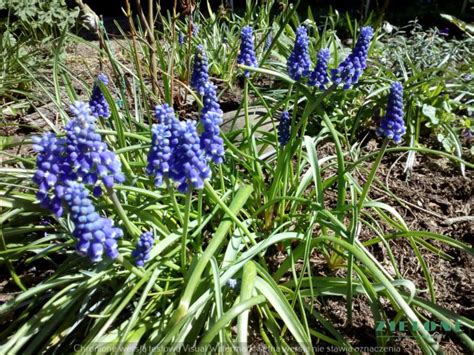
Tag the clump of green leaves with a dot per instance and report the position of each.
(39, 17)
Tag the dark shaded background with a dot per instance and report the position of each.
(395, 11)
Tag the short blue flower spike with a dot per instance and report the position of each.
(392, 125)
(319, 76)
(299, 63)
(142, 250)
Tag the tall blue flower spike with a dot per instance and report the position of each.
(163, 139)
(299, 62)
(392, 125)
(284, 128)
(142, 250)
(247, 52)
(98, 104)
(86, 153)
(350, 70)
(319, 76)
(211, 119)
(95, 234)
(200, 76)
(188, 166)
(51, 172)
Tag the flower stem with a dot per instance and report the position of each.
(184, 238)
(131, 228)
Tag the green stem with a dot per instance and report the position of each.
(169, 184)
(187, 209)
(355, 226)
(131, 228)
(371, 176)
(193, 282)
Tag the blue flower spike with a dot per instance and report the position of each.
(284, 128)
(319, 76)
(299, 62)
(98, 104)
(200, 75)
(350, 70)
(86, 154)
(247, 52)
(211, 118)
(188, 166)
(392, 125)
(95, 234)
(141, 254)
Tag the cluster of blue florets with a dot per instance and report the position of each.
(247, 52)
(200, 76)
(86, 153)
(319, 76)
(268, 40)
(65, 164)
(143, 248)
(392, 125)
(98, 104)
(299, 62)
(284, 128)
(176, 152)
(51, 171)
(211, 119)
(350, 70)
(95, 234)
(181, 38)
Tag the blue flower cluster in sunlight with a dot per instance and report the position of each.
(98, 104)
(350, 70)
(299, 63)
(95, 234)
(188, 166)
(80, 156)
(200, 76)
(86, 153)
(161, 149)
(142, 250)
(392, 125)
(284, 128)
(211, 119)
(319, 76)
(50, 171)
(247, 52)
(176, 152)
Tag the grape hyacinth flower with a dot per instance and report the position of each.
(143, 248)
(98, 104)
(247, 52)
(392, 125)
(181, 38)
(95, 234)
(86, 153)
(299, 63)
(200, 75)
(211, 118)
(284, 128)
(194, 29)
(50, 171)
(188, 166)
(350, 70)
(163, 140)
(268, 40)
(319, 76)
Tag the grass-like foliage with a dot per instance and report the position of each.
(147, 228)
